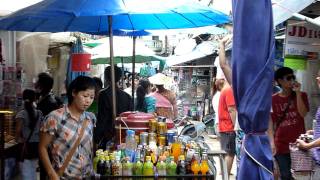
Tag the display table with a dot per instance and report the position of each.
(223, 165)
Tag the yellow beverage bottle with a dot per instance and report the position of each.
(204, 167)
(195, 166)
(148, 167)
(176, 148)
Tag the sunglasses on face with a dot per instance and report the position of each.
(290, 77)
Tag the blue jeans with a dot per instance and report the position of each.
(28, 169)
(284, 163)
(10, 165)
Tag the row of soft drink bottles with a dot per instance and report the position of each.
(177, 158)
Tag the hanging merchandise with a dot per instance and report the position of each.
(80, 62)
(76, 48)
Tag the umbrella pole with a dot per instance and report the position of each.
(113, 83)
(122, 73)
(133, 67)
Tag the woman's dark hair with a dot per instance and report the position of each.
(81, 83)
(29, 97)
(142, 90)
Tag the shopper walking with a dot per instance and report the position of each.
(314, 145)
(289, 107)
(105, 129)
(27, 134)
(166, 103)
(145, 102)
(224, 62)
(47, 102)
(68, 133)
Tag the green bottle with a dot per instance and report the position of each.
(95, 163)
(107, 166)
(127, 167)
(148, 167)
(96, 159)
(138, 167)
(161, 166)
(171, 167)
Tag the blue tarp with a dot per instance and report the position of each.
(252, 67)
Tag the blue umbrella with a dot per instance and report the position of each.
(252, 70)
(92, 16)
(76, 48)
(102, 16)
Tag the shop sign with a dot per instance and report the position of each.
(302, 39)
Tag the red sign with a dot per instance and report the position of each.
(80, 62)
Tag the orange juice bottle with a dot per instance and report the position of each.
(176, 148)
(195, 166)
(204, 167)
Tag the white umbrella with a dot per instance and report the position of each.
(123, 47)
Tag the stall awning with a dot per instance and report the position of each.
(284, 9)
(202, 50)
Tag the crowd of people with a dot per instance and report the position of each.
(289, 107)
(67, 133)
(64, 135)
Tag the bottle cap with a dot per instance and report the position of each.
(130, 132)
(148, 158)
(107, 158)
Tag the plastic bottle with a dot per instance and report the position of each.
(127, 167)
(95, 163)
(101, 169)
(96, 159)
(148, 167)
(138, 167)
(195, 166)
(117, 167)
(161, 166)
(199, 112)
(171, 167)
(107, 166)
(176, 148)
(166, 151)
(204, 167)
(138, 153)
(181, 167)
(153, 144)
(143, 153)
(131, 144)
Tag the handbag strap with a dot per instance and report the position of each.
(73, 149)
(282, 117)
(32, 130)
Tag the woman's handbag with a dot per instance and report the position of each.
(301, 160)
